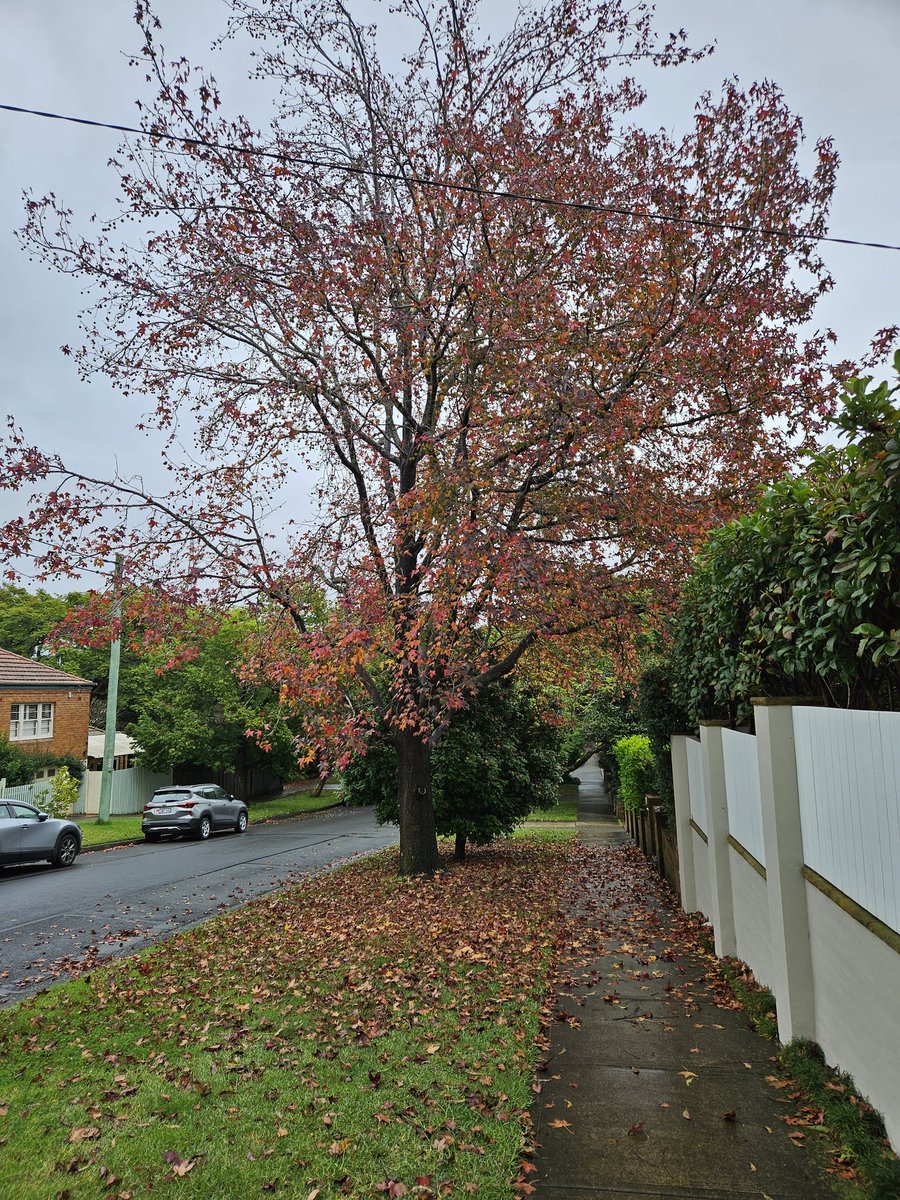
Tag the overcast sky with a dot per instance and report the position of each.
(836, 61)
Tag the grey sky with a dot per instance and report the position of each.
(835, 60)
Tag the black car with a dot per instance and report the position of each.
(198, 809)
(29, 835)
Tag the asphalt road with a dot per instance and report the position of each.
(56, 923)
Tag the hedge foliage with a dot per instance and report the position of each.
(636, 769)
(801, 597)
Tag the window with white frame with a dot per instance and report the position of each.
(30, 721)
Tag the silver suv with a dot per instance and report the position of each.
(198, 809)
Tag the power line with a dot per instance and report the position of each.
(425, 181)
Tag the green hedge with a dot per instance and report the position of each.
(636, 769)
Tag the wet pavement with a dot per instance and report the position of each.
(654, 1085)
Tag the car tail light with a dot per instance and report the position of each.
(187, 803)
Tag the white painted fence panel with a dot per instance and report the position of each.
(131, 789)
(848, 776)
(742, 792)
(697, 784)
(38, 793)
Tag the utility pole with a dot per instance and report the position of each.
(112, 698)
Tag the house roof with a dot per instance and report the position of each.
(19, 672)
(97, 737)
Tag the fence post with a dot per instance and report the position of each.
(683, 832)
(721, 895)
(786, 887)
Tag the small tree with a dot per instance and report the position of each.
(63, 794)
(498, 761)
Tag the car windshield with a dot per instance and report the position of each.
(170, 797)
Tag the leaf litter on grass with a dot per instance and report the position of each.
(357, 1032)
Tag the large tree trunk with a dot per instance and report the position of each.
(418, 840)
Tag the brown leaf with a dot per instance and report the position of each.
(731, 1115)
(84, 1134)
(637, 1127)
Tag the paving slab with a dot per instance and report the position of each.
(654, 1084)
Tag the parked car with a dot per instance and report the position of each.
(198, 809)
(29, 835)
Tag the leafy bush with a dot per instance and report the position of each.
(636, 769)
(63, 793)
(18, 766)
(801, 596)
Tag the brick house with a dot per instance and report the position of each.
(43, 710)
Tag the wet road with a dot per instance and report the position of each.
(57, 923)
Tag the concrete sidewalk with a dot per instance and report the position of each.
(654, 1084)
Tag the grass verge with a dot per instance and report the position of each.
(121, 829)
(831, 1100)
(564, 810)
(359, 1034)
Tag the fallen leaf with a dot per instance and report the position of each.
(84, 1134)
(731, 1115)
(686, 1115)
(637, 1128)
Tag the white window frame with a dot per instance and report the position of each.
(30, 721)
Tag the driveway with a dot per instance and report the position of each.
(58, 923)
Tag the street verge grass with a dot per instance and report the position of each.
(128, 828)
(565, 809)
(357, 1034)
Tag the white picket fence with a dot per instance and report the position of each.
(30, 793)
(789, 843)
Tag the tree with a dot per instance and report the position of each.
(536, 349)
(28, 618)
(800, 597)
(198, 712)
(500, 759)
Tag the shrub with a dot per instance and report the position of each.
(636, 769)
(63, 794)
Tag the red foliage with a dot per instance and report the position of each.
(526, 413)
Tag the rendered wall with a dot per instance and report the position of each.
(751, 919)
(857, 988)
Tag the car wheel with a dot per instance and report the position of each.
(66, 850)
(204, 828)
(151, 837)
(240, 824)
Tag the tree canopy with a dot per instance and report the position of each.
(534, 348)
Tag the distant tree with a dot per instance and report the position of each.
(537, 349)
(27, 618)
(499, 760)
(198, 711)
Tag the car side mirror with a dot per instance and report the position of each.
(42, 816)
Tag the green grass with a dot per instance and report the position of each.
(120, 829)
(561, 834)
(564, 810)
(355, 1031)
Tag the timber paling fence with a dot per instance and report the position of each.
(789, 844)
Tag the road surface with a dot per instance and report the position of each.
(56, 923)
